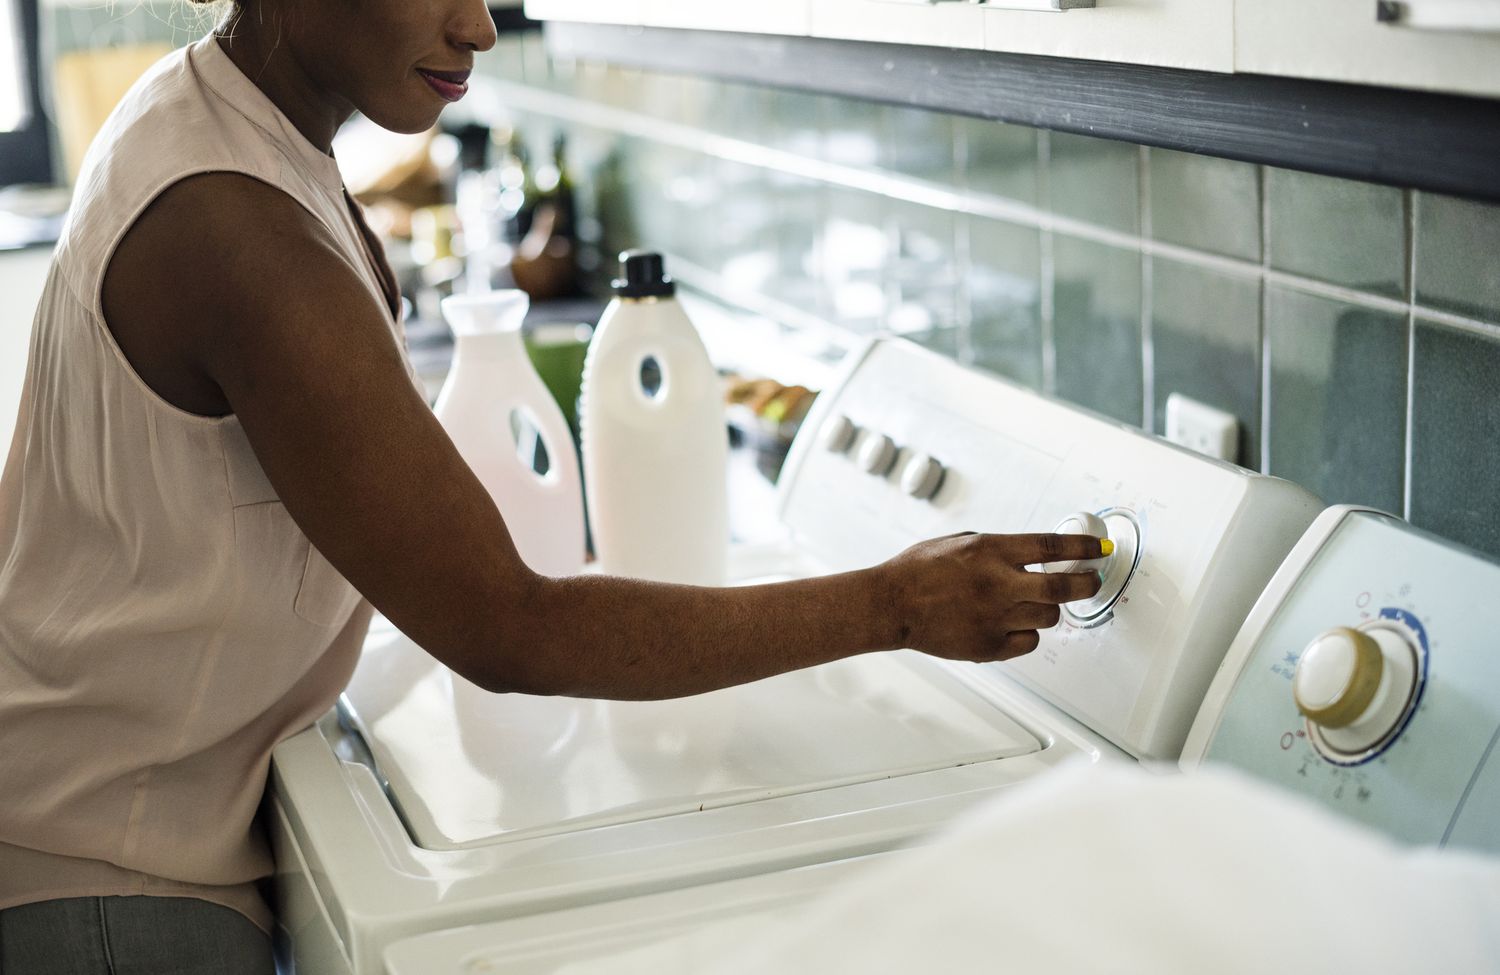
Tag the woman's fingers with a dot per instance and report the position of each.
(1056, 587)
(970, 597)
(1017, 643)
(1039, 549)
(1034, 616)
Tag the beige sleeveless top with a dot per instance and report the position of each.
(163, 621)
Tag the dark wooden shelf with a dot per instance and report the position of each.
(508, 20)
(1428, 141)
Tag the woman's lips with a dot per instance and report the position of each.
(450, 85)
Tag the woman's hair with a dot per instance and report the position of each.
(207, 14)
(206, 6)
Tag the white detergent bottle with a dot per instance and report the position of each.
(494, 406)
(655, 447)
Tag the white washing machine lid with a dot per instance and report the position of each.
(687, 930)
(1089, 869)
(468, 768)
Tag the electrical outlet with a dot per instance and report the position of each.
(1200, 427)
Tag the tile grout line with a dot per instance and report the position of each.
(1408, 447)
(1047, 268)
(1265, 333)
(1147, 308)
(1460, 322)
(963, 254)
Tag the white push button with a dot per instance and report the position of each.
(838, 434)
(921, 476)
(877, 454)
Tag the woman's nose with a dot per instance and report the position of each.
(472, 26)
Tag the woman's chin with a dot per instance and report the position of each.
(410, 120)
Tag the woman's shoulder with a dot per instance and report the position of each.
(172, 126)
(218, 241)
(214, 257)
(170, 122)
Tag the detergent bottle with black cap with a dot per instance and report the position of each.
(654, 441)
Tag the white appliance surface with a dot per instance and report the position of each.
(1088, 870)
(1209, 534)
(697, 929)
(1430, 773)
(427, 805)
(463, 771)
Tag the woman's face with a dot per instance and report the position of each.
(398, 62)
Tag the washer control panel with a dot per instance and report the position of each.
(910, 445)
(1364, 678)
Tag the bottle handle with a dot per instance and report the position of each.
(556, 496)
(557, 439)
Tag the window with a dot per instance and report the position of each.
(12, 68)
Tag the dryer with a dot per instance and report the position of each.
(1367, 678)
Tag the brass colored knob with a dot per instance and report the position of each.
(1337, 677)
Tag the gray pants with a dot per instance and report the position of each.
(131, 936)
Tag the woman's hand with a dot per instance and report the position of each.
(970, 596)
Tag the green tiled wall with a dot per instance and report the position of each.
(1354, 329)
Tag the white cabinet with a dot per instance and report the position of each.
(1441, 45)
(759, 16)
(589, 11)
(936, 24)
(1341, 40)
(22, 275)
(1176, 33)
(762, 16)
(1170, 33)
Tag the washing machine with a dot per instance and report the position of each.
(424, 804)
(1362, 695)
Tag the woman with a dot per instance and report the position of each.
(222, 461)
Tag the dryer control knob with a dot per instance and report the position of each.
(838, 434)
(1337, 676)
(1356, 686)
(877, 454)
(1080, 523)
(921, 476)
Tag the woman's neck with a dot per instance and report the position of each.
(260, 48)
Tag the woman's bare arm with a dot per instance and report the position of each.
(227, 287)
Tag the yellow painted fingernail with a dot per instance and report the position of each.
(1106, 546)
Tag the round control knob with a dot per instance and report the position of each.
(921, 476)
(1356, 687)
(1337, 677)
(1080, 523)
(838, 434)
(877, 454)
(1115, 570)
